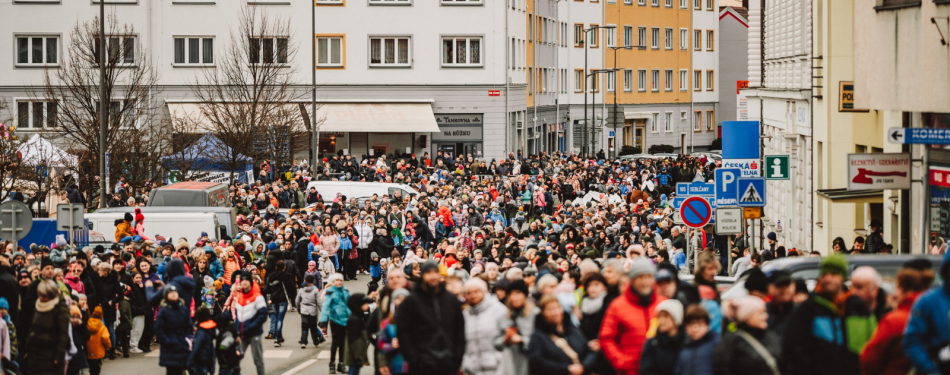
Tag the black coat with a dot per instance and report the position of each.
(110, 292)
(734, 355)
(10, 289)
(545, 357)
(432, 328)
(280, 287)
(660, 353)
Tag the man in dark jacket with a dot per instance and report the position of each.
(109, 295)
(431, 326)
(874, 242)
(818, 345)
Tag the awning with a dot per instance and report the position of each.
(630, 115)
(852, 196)
(377, 117)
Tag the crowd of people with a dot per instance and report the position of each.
(546, 264)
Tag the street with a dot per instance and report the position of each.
(289, 359)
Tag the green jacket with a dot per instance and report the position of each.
(125, 316)
(357, 342)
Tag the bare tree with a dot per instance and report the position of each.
(130, 82)
(248, 100)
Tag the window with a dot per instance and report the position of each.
(274, 50)
(698, 4)
(461, 2)
(668, 126)
(392, 2)
(611, 35)
(37, 50)
(709, 40)
(682, 116)
(697, 121)
(684, 39)
(119, 110)
(669, 3)
(530, 80)
(641, 80)
(698, 80)
(462, 51)
(628, 80)
(684, 4)
(578, 80)
(668, 83)
(709, 80)
(642, 2)
(627, 36)
(628, 2)
(331, 51)
(710, 120)
(697, 40)
(121, 48)
(578, 35)
(35, 114)
(669, 38)
(194, 50)
(709, 4)
(530, 27)
(328, 2)
(389, 51)
(594, 82)
(594, 36)
(655, 3)
(655, 84)
(655, 37)
(653, 123)
(684, 80)
(642, 37)
(611, 81)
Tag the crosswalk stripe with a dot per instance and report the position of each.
(300, 367)
(280, 354)
(324, 354)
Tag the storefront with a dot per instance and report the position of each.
(459, 134)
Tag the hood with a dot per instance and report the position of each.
(246, 298)
(309, 288)
(355, 302)
(175, 268)
(255, 245)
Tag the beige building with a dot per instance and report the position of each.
(901, 74)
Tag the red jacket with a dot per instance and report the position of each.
(625, 329)
(882, 355)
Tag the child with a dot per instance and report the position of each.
(308, 298)
(326, 266)
(207, 294)
(123, 331)
(696, 357)
(313, 271)
(661, 351)
(220, 297)
(76, 361)
(8, 341)
(389, 354)
(98, 341)
(374, 267)
(357, 340)
(383, 270)
(201, 358)
(228, 345)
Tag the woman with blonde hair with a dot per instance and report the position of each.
(48, 339)
(515, 330)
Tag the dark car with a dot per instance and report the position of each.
(806, 268)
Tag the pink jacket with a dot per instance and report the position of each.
(330, 243)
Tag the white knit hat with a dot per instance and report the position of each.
(672, 307)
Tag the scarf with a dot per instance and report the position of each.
(46, 306)
(592, 305)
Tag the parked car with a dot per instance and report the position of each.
(806, 268)
(329, 189)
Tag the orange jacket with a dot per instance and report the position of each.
(98, 336)
(446, 215)
(230, 266)
(882, 355)
(123, 229)
(625, 329)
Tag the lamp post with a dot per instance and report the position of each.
(104, 105)
(593, 106)
(616, 146)
(586, 120)
(315, 139)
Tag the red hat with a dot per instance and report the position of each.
(438, 256)
(138, 215)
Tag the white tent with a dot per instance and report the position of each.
(38, 151)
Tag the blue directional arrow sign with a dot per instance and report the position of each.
(727, 183)
(920, 136)
(751, 192)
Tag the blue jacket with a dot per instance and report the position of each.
(345, 243)
(215, 267)
(696, 357)
(497, 216)
(928, 328)
(175, 275)
(679, 259)
(334, 306)
(374, 270)
(202, 354)
(171, 328)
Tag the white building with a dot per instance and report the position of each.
(705, 69)
(454, 60)
(779, 93)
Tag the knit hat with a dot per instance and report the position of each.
(641, 266)
(4, 304)
(272, 246)
(168, 289)
(45, 261)
(674, 308)
(373, 255)
(518, 285)
(138, 215)
(757, 281)
(209, 282)
(428, 266)
(60, 241)
(772, 236)
(311, 264)
(401, 292)
(835, 264)
(333, 277)
(741, 309)
(97, 313)
(128, 217)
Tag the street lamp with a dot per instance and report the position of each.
(586, 121)
(616, 145)
(593, 105)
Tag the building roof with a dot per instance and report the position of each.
(741, 14)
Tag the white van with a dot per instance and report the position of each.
(329, 189)
(172, 226)
(227, 216)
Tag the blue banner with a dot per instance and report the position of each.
(740, 140)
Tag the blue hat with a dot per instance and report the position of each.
(208, 249)
(204, 234)
(4, 305)
(272, 246)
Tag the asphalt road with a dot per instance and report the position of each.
(289, 359)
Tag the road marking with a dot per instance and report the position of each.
(324, 354)
(281, 354)
(300, 367)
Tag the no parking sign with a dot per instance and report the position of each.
(696, 212)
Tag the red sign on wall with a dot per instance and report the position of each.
(940, 177)
(494, 92)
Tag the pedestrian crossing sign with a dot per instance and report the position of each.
(751, 192)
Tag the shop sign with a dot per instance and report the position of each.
(458, 133)
(879, 171)
(471, 119)
(846, 101)
(940, 177)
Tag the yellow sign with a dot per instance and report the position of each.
(846, 97)
(751, 212)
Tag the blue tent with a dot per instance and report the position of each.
(209, 155)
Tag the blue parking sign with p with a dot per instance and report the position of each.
(727, 183)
